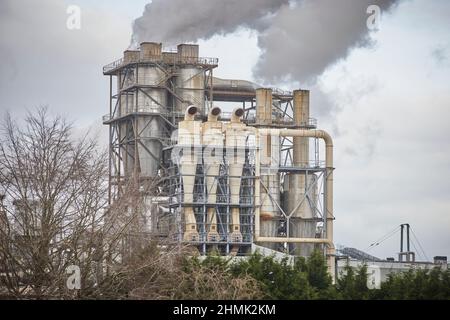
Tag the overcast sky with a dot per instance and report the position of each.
(387, 104)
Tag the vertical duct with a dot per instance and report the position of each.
(302, 223)
(263, 106)
(151, 102)
(235, 141)
(213, 142)
(189, 139)
(328, 204)
(190, 81)
(269, 160)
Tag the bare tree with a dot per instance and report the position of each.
(54, 214)
(54, 198)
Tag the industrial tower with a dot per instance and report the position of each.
(218, 180)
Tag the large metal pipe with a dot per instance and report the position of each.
(269, 160)
(302, 213)
(213, 114)
(329, 217)
(189, 139)
(140, 137)
(213, 142)
(190, 79)
(236, 115)
(189, 114)
(264, 106)
(234, 84)
(235, 140)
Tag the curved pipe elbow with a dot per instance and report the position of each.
(328, 145)
(214, 113)
(237, 114)
(322, 134)
(190, 113)
(326, 137)
(309, 134)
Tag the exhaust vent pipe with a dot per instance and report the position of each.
(190, 113)
(214, 114)
(237, 114)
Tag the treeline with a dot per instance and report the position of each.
(263, 277)
(55, 217)
(308, 279)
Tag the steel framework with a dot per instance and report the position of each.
(120, 142)
(126, 138)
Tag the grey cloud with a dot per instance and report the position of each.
(44, 63)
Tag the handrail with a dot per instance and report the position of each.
(281, 92)
(144, 110)
(172, 59)
(251, 119)
(112, 65)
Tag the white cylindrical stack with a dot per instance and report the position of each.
(190, 80)
(269, 160)
(299, 201)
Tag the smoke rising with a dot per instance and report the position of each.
(299, 39)
(303, 40)
(177, 21)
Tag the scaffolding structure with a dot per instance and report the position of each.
(222, 206)
(126, 134)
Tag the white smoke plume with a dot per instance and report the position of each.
(298, 39)
(306, 38)
(178, 21)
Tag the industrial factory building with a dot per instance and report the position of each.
(378, 270)
(260, 175)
